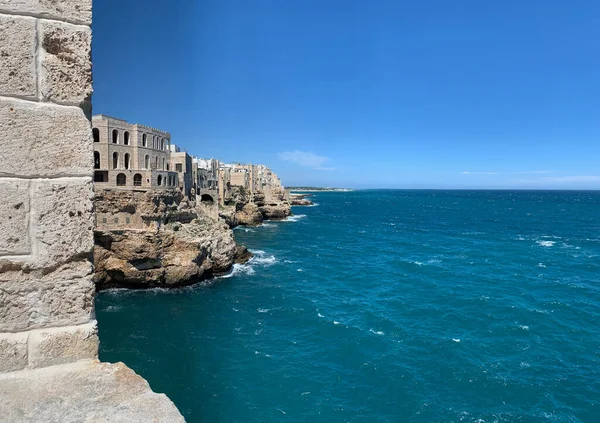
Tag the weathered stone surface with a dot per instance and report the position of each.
(44, 140)
(250, 215)
(14, 209)
(37, 298)
(78, 11)
(276, 211)
(13, 351)
(83, 392)
(17, 56)
(66, 66)
(184, 249)
(62, 212)
(53, 346)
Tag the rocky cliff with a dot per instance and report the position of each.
(162, 241)
(241, 209)
(300, 200)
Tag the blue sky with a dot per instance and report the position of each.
(365, 94)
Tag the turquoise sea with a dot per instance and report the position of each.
(385, 306)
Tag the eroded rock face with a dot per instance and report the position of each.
(179, 247)
(250, 215)
(165, 257)
(276, 211)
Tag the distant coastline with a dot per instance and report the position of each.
(318, 189)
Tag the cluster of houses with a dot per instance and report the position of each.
(137, 157)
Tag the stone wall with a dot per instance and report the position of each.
(46, 225)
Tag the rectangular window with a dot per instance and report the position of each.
(116, 220)
(178, 167)
(104, 220)
(126, 220)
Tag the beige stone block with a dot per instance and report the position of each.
(66, 65)
(49, 347)
(14, 224)
(77, 11)
(62, 220)
(44, 140)
(35, 299)
(13, 351)
(17, 56)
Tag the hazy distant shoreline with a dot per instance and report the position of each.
(316, 189)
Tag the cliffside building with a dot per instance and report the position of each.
(181, 162)
(131, 156)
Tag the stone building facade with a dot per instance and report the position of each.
(131, 156)
(181, 162)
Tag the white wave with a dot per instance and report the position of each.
(266, 225)
(260, 257)
(294, 218)
(434, 261)
(524, 364)
(376, 332)
(524, 327)
(248, 230)
(418, 263)
(263, 310)
(456, 339)
(238, 269)
(320, 315)
(541, 265)
(336, 323)
(305, 393)
(234, 309)
(300, 270)
(314, 205)
(546, 243)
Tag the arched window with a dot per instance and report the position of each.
(164, 164)
(115, 160)
(162, 143)
(96, 133)
(126, 160)
(121, 180)
(115, 136)
(154, 141)
(137, 180)
(147, 162)
(96, 160)
(159, 180)
(156, 162)
(126, 138)
(168, 166)
(144, 140)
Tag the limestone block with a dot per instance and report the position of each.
(63, 221)
(44, 140)
(35, 299)
(86, 391)
(77, 11)
(13, 351)
(14, 209)
(17, 56)
(66, 65)
(52, 346)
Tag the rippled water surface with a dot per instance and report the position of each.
(385, 306)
